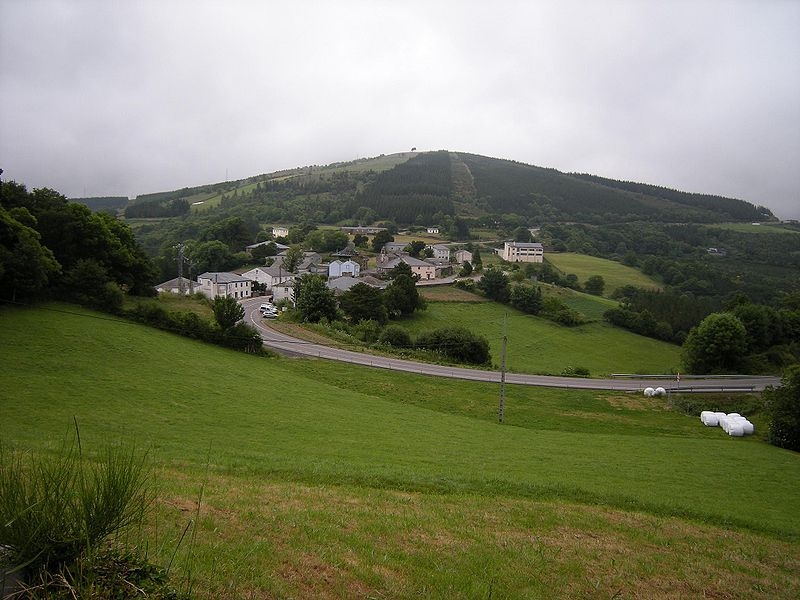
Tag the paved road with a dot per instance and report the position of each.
(294, 347)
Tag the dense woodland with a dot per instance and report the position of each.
(49, 246)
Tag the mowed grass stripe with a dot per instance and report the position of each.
(282, 418)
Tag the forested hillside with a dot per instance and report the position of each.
(420, 188)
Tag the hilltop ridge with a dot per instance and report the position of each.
(420, 187)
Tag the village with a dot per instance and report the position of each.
(436, 264)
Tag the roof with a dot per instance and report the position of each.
(524, 244)
(277, 245)
(222, 277)
(394, 246)
(176, 283)
(392, 262)
(344, 283)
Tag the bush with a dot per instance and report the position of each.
(557, 311)
(575, 372)
(456, 343)
(55, 511)
(783, 407)
(367, 331)
(466, 284)
(395, 336)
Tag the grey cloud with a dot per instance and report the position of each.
(128, 98)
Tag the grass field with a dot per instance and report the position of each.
(614, 274)
(321, 480)
(536, 345)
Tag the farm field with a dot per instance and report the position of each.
(614, 274)
(316, 479)
(536, 345)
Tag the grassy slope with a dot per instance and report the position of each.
(318, 473)
(614, 274)
(536, 345)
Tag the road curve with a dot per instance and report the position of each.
(286, 344)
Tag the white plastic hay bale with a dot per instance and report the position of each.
(704, 416)
(736, 429)
(711, 419)
(659, 391)
(733, 415)
(748, 427)
(723, 422)
(648, 391)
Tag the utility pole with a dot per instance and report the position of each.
(502, 410)
(180, 246)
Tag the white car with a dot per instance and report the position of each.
(269, 314)
(266, 306)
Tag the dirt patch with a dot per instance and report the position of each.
(631, 402)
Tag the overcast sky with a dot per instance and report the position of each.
(105, 97)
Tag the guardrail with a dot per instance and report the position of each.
(685, 377)
(696, 389)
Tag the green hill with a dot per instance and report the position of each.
(316, 479)
(427, 187)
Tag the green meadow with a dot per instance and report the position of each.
(613, 273)
(536, 345)
(311, 479)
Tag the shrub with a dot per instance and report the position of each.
(783, 407)
(54, 511)
(395, 336)
(465, 284)
(367, 331)
(456, 343)
(575, 372)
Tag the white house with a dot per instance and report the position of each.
(433, 230)
(340, 268)
(269, 276)
(440, 252)
(463, 256)
(179, 285)
(224, 284)
(523, 252)
(423, 269)
(283, 291)
(280, 232)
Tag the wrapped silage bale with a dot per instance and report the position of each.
(648, 391)
(709, 418)
(733, 415)
(748, 427)
(659, 391)
(735, 428)
(723, 422)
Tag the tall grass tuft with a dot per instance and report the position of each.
(55, 510)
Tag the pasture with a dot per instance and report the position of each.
(613, 273)
(539, 346)
(310, 479)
